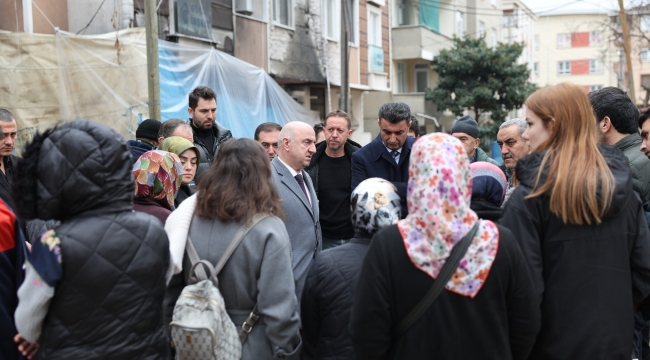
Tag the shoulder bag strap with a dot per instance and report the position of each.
(448, 269)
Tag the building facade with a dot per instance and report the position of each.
(576, 48)
(420, 29)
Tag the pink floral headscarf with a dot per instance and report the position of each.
(439, 193)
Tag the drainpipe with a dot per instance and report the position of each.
(28, 18)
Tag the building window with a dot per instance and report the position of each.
(645, 81)
(536, 69)
(374, 27)
(332, 16)
(595, 87)
(536, 42)
(564, 67)
(645, 55)
(407, 12)
(421, 77)
(401, 77)
(493, 37)
(481, 29)
(353, 21)
(564, 40)
(460, 26)
(595, 38)
(282, 10)
(644, 23)
(595, 66)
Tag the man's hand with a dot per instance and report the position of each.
(25, 347)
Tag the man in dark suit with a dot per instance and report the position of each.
(387, 156)
(8, 131)
(299, 200)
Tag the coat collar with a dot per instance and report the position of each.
(290, 182)
(378, 150)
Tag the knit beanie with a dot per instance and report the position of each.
(148, 129)
(466, 125)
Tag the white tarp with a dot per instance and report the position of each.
(47, 79)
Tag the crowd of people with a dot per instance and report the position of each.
(320, 248)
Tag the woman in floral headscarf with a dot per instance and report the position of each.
(487, 310)
(157, 176)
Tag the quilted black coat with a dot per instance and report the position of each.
(327, 299)
(108, 304)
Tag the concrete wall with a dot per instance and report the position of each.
(295, 52)
(55, 10)
(110, 16)
(251, 42)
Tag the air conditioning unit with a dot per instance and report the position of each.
(244, 7)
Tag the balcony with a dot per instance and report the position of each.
(418, 42)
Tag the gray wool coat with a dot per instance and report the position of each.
(302, 221)
(259, 272)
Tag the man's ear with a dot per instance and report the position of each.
(190, 111)
(605, 125)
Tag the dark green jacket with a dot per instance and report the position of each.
(480, 155)
(639, 164)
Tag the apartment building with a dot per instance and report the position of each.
(575, 47)
(296, 41)
(420, 29)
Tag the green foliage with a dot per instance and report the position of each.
(476, 77)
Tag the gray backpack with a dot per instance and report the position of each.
(200, 327)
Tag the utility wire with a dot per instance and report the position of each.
(91, 19)
(42, 13)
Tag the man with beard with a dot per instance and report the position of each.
(208, 134)
(331, 173)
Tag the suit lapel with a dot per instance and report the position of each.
(4, 183)
(291, 183)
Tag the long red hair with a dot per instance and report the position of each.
(576, 168)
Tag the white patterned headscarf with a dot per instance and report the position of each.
(375, 204)
(438, 196)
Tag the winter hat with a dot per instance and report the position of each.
(488, 182)
(466, 125)
(148, 129)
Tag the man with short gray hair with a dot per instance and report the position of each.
(299, 201)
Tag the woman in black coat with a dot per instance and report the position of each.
(582, 230)
(328, 295)
(487, 309)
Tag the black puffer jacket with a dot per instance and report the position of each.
(108, 304)
(585, 277)
(327, 299)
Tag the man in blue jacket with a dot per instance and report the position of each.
(387, 156)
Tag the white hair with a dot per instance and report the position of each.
(521, 124)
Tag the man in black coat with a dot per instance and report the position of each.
(207, 132)
(330, 173)
(387, 156)
(8, 161)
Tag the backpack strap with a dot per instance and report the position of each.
(448, 269)
(239, 236)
